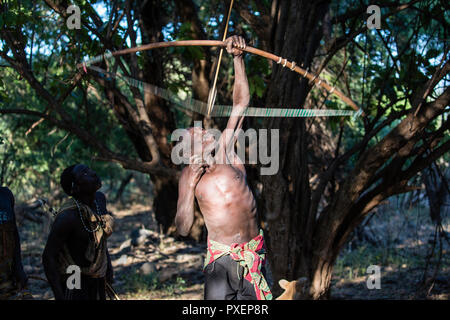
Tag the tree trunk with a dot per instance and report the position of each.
(122, 187)
(297, 32)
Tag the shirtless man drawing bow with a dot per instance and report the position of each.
(236, 253)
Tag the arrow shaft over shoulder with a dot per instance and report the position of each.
(213, 91)
(217, 43)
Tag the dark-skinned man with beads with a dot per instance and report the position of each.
(78, 239)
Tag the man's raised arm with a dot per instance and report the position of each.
(241, 92)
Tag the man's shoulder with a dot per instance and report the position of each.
(66, 215)
(6, 191)
(65, 222)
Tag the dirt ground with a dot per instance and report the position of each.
(148, 265)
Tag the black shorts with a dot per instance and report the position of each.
(224, 280)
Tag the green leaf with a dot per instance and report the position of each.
(257, 86)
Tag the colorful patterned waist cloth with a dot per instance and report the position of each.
(250, 255)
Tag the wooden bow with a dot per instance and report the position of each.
(216, 43)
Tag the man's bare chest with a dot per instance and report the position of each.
(222, 181)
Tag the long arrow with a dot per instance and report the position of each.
(213, 92)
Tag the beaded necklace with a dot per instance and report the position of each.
(81, 216)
